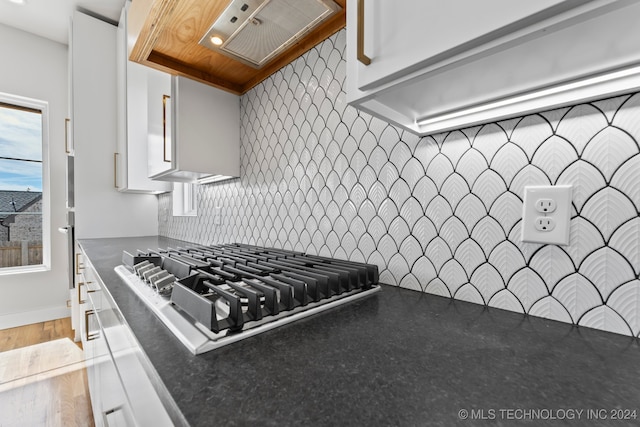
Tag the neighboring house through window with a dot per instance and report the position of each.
(22, 183)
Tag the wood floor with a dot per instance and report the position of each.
(43, 380)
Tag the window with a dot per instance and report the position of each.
(23, 184)
(185, 199)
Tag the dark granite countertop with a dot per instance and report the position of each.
(397, 358)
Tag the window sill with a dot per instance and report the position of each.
(5, 271)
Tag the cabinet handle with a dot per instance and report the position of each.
(115, 170)
(360, 36)
(78, 265)
(66, 135)
(88, 313)
(164, 128)
(80, 300)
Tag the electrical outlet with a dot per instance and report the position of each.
(545, 224)
(546, 213)
(545, 205)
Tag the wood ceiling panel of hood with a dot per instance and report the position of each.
(167, 32)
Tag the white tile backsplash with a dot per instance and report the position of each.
(439, 214)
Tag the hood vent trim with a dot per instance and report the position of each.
(255, 31)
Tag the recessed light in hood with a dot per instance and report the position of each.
(255, 31)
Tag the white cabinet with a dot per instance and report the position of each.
(99, 206)
(133, 134)
(205, 132)
(125, 389)
(437, 65)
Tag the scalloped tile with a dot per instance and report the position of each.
(489, 140)
(528, 175)
(470, 294)
(626, 117)
(531, 132)
(400, 152)
(412, 172)
(453, 275)
(507, 259)
(487, 280)
(455, 145)
(438, 252)
(625, 240)
(550, 308)
(488, 187)
(609, 149)
(399, 192)
(425, 191)
(424, 231)
(608, 209)
(424, 270)
(586, 180)
(410, 250)
(580, 124)
(454, 189)
(470, 256)
(439, 169)
(508, 161)
(507, 210)
(470, 210)
(410, 282)
(488, 233)
(528, 287)
(607, 270)
(426, 150)
(438, 211)
(399, 267)
(606, 319)
(626, 301)
(411, 211)
(471, 165)
(553, 264)
(454, 232)
(505, 300)
(553, 156)
(626, 180)
(577, 294)
(436, 287)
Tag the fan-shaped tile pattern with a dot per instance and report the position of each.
(439, 214)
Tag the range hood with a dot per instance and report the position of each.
(255, 31)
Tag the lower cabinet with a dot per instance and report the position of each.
(125, 389)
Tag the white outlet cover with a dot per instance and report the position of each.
(561, 194)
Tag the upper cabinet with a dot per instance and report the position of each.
(132, 171)
(204, 127)
(98, 204)
(431, 66)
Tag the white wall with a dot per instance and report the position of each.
(35, 67)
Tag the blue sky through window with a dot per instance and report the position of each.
(20, 138)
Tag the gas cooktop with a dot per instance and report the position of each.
(211, 296)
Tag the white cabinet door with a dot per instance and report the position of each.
(133, 135)
(401, 35)
(98, 204)
(205, 132)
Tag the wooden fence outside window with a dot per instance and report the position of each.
(14, 254)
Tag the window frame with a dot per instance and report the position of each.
(43, 107)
